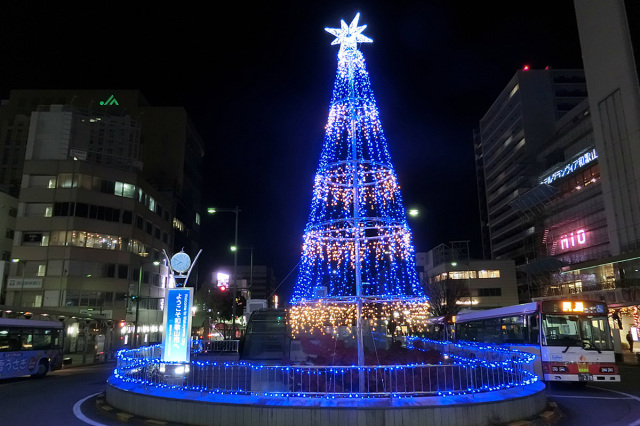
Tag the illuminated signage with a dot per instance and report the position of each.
(24, 283)
(222, 280)
(177, 325)
(573, 239)
(572, 307)
(111, 101)
(574, 165)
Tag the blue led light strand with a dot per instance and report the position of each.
(357, 232)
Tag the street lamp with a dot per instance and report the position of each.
(235, 249)
(137, 298)
(24, 266)
(236, 210)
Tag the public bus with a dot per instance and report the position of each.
(571, 338)
(30, 347)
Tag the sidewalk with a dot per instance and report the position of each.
(630, 358)
(79, 360)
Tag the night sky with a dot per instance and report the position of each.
(257, 80)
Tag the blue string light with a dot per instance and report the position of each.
(355, 154)
(506, 373)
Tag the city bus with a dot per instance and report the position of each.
(30, 347)
(571, 338)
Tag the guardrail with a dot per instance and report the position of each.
(461, 375)
(215, 346)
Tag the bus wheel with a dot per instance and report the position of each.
(42, 370)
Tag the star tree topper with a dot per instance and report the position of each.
(349, 35)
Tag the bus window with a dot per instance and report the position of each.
(595, 331)
(534, 330)
(513, 329)
(560, 330)
(491, 331)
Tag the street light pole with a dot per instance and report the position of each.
(234, 283)
(18, 261)
(235, 249)
(134, 341)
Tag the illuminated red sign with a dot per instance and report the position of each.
(573, 239)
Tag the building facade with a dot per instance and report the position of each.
(450, 276)
(506, 144)
(107, 185)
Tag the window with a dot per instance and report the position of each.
(36, 181)
(123, 271)
(462, 275)
(67, 180)
(489, 292)
(82, 210)
(489, 274)
(63, 209)
(110, 270)
(127, 216)
(126, 190)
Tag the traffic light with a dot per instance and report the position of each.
(222, 288)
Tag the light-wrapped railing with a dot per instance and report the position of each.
(459, 376)
(213, 346)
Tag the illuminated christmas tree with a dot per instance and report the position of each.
(358, 259)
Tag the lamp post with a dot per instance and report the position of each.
(235, 249)
(22, 282)
(233, 283)
(135, 325)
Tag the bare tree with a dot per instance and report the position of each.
(444, 296)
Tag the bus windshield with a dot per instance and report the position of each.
(588, 332)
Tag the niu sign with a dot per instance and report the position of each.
(573, 239)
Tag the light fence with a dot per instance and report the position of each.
(460, 376)
(215, 346)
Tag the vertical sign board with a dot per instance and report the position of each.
(176, 337)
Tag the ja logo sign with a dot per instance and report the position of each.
(111, 101)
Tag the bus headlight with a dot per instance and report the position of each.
(559, 369)
(606, 369)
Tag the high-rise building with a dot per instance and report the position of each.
(576, 198)
(610, 40)
(509, 137)
(107, 184)
(170, 151)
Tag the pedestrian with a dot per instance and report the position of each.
(630, 340)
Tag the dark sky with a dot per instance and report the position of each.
(257, 81)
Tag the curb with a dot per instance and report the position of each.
(549, 416)
(124, 417)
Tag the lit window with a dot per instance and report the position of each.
(514, 91)
(489, 274)
(197, 218)
(178, 225)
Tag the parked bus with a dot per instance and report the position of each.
(571, 338)
(439, 328)
(30, 347)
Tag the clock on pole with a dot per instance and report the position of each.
(180, 262)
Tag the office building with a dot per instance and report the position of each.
(447, 272)
(509, 137)
(107, 185)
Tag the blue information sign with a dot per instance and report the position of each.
(177, 325)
